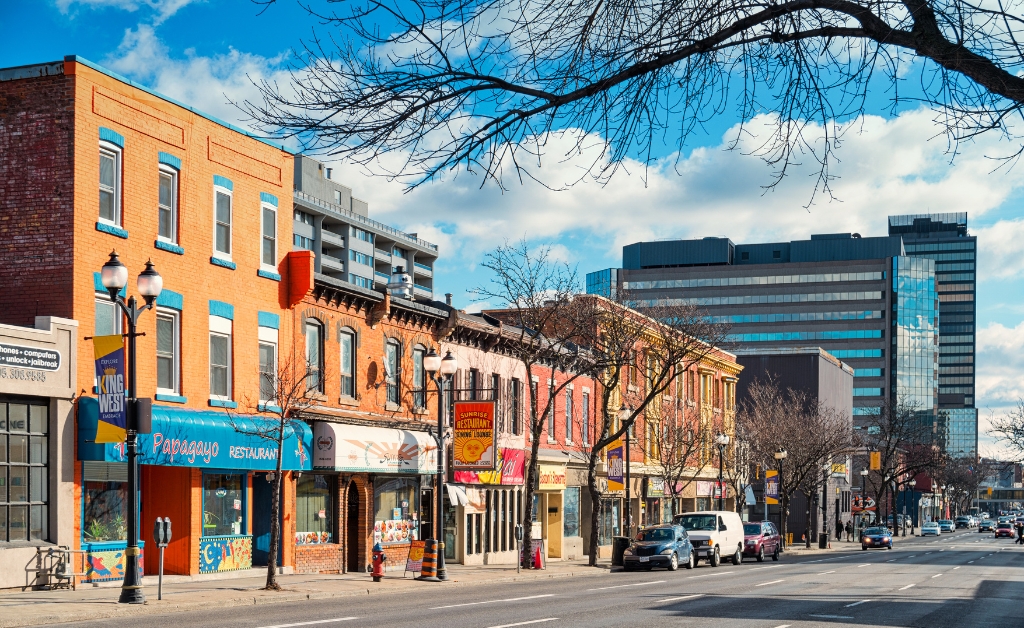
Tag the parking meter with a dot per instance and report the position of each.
(162, 536)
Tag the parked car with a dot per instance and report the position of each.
(1005, 530)
(930, 528)
(987, 526)
(659, 546)
(714, 534)
(876, 537)
(946, 525)
(760, 539)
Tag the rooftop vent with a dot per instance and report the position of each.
(400, 285)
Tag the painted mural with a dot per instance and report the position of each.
(225, 553)
(105, 565)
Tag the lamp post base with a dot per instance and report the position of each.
(132, 595)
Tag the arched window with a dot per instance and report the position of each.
(347, 340)
(314, 355)
(392, 368)
(419, 378)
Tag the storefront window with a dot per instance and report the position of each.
(223, 504)
(24, 472)
(314, 509)
(571, 511)
(396, 518)
(105, 501)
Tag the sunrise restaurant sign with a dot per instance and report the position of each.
(474, 436)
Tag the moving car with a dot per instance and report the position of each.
(986, 526)
(963, 522)
(659, 546)
(1005, 530)
(930, 528)
(876, 537)
(760, 538)
(946, 525)
(714, 534)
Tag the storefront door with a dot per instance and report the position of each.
(262, 494)
(352, 530)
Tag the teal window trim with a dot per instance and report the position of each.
(112, 230)
(223, 310)
(170, 248)
(265, 407)
(171, 398)
(170, 299)
(266, 274)
(168, 159)
(112, 136)
(219, 403)
(269, 320)
(223, 263)
(223, 182)
(266, 197)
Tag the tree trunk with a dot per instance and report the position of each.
(784, 520)
(275, 519)
(531, 474)
(595, 509)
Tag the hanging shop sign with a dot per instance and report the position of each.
(358, 448)
(771, 487)
(200, 438)
(656, 487)
(112, 425)
(552, 477)
(474, 438)
(616, 466)
(510, 470)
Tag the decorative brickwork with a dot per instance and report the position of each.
(319, 558)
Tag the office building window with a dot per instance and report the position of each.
(362, 282)
(268, 252)
(167, 228)
(499, 418)
(472, 384)
(24, 471)
(110, 184)
(222, 222)
(302, 242)
(360, 258)
(303, 217)
(168, 347)
(315, 355)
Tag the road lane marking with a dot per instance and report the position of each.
(511, 599)
(768, 567)
(957, 567)
(936, 575)
(525, 623)
(833, 616)
(857, 603)
(826, 572)
(707, 575)
(865, 565)
(906, 587)
(764, 584)
(783, 626)
(676, 599)
(310, 623)
(969, 562)
(619, 586)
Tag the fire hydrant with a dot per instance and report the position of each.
(378, 562)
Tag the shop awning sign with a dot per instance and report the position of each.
(363, 449)
(474, 439)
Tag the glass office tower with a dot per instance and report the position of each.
(915, 325)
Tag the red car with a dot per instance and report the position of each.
(1005, 529)
(760, 539)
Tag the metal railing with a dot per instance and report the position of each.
(423, 266)
(349, 214)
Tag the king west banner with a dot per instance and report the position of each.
(474, 443)
(771, 487)
(113, 420)
(615, 466)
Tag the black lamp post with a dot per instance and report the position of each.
(440, 370)
(780, 455)
(114, 277)
(624, 414)
(863, 499)
(913, 499)
(723, 440)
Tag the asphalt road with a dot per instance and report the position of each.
(964, 579)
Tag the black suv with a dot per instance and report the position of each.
(659, 546)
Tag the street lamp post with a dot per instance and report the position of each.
(863, 499)
(440, 370)
(624, 413)
(780, 455)
(723, 441)
(913, 503)
(114, 276)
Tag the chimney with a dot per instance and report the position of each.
(448, 298)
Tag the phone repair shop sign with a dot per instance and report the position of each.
(18, 357)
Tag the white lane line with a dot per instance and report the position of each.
(833, 616)
(957, 567)
(857, 603)
(310, 623)
(764, 584)
(906, 587)
(511, 599)
(891, 560)
(826, 572)
(865, 565)
(969, 562)
(936, 575)
(676, 599)
(525, 623)
(637, 584)
(783, 626)
(707, 575)
(768, 567)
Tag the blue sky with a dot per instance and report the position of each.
(204, 52)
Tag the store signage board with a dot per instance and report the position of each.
(474, 439)
(552, 477)
(17, 356)
(358, 448)
(510, 470)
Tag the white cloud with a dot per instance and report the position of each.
(1000, 363)
(999, 249)
(162, 9)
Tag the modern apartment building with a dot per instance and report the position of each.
(348, 245)
(861, 299)
(944, 238)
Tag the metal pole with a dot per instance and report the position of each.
(823, 539)
(131, 587)
(160, 578)
(782, 508)
(628, 513)
(442, 573)
(721, 495)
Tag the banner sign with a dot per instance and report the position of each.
(838, 470)
(474, 442)
(415, 560)
(552, 477)
(712, 489)
(771, 487)
(30, 357)
(510, 471)
(876, 461)
(113, 420)
(656, 487)
(616, 466)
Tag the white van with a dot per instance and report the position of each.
(715, 534)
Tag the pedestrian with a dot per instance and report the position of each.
(849, 530)
(839, 531)
(1020, 533)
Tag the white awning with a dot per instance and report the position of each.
(358, 448)
(457, 494)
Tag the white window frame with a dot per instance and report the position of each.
(231, 225)
(351, 334)
(175, 317)
(267, 336)
(118, 154)
(222, 327)
(570, 407)
(173, 173)
(118, 317)
(273, 265)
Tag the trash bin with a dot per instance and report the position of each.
(619, 545)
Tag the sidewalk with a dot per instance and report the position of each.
(33, 608)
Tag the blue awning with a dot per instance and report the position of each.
(201, 438)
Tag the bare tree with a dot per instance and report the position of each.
(292, 386)
(771, 419)
(449, 84)
(1009, 429)
(962, 476)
